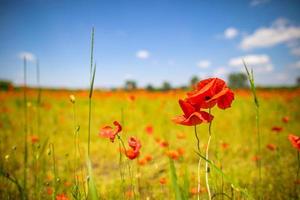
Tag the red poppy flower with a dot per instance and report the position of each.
(148, 158)
(135, 146)
(295, 140)
(192, 116)
(181, 151)
(163, 181)
(61, 197)
(149, 129)
(49, 191)
(173, 154)
(224, 145)
(277, 129)
(109, 132)
(271, 147)
(34, 139)
(210, 92)
(164, 144)
(256, 158)
(142, 161)
(285, 119)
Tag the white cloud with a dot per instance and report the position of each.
(28, 55)
(281, 77)
(142, 54)
(230, 33)
(220, 72)
(204, 63)
(258, 2)
(279, 32)
(296, 65)
(295, 51)
(260, 63)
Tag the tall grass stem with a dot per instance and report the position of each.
(25, 131)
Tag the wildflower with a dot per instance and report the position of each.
(224, 145)
(149, 129)
(49, 191)
(271, 147)
(148, 158)
(194, 190)
(61, 197)
(163, 181)
(277, 129)
(192, 116)
(142, 161)
(34, 139)
(295, 141)
(135, 146)
(164, 144)
(210, 92)
(285, 119)
(108, 132)
(173, 154)
(180, 151)
(256, 158)
(131, 97)
(129, 193)
(72, 98)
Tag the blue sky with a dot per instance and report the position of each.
(149, 41)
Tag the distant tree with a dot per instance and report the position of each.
(130, 85)
(150, 87)
(5, 85)
(166, 86)
(238, 80)
(298, 82)
(194, 80)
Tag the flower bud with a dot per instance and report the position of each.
(72, 98)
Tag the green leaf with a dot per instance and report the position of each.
(92, 193)
(175, 186)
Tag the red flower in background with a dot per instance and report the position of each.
(277, 129)
(34, 139)
(285, 119)
(109, 132)
(149, 129)
(295, 140)
(173, 154)
(61, 197)
(135, 146)
(210, 92)
(164, 144)
(163, 181)
(192, 116)
(224, 145)
(271, 147)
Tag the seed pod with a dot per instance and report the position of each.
(72, 98)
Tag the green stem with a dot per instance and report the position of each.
(258, 144)
(199, 163)
(25, 132)
(92, 76)
(129, 169)
(206, 164)
(38, 100)
(89, 128)
(298, 159)
(53, 171)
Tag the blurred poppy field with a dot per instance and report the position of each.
(164, 164)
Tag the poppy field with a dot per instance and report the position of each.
(139, 149)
